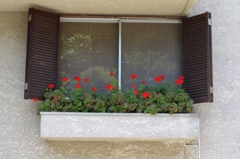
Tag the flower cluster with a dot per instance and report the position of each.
(179, 81)
(160, 98)
(77, 79)
(159, 78)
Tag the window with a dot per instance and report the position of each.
(145, 47)
(91, 49)
(88, 50)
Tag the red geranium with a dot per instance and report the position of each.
(109, 87)
(158, 79)
(50, 86)
(86, 80)
(76, 78)
(111, 73)
(143, 82)
(145, 95)
(34, 99)
(162, 76)
(94, 88)
(133, 76)
(181, 77)
(179, 81)
(136, 91)
(134, 86)
(64, 79)
(78, 86)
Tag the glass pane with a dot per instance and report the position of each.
(88, 50)
(150, 50)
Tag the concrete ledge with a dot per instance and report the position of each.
(119, 126)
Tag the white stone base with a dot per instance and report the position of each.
(119, 126)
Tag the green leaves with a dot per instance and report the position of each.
(161, 99)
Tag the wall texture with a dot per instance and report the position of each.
(220, 121)
(20, 126)
(219, 125)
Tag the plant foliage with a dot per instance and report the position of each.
(159, 98)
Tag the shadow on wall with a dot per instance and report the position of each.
(118, 149)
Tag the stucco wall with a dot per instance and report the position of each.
(20, 126)
(219, 125)
(220, 121)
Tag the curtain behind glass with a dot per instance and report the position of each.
(150, 50)
(88, 50)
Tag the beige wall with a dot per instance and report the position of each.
(220, 128)
(220, 121)
(20, 126)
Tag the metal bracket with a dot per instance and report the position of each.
(209, 22)
(26, 86)
(211, 90)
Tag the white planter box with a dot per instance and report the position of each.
(119, 126)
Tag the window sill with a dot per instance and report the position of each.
(119, 126)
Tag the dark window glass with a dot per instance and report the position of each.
(88, 50)
(150, 50)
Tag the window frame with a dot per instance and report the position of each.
(201, 22)
(119, 22)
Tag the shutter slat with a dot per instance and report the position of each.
(195, 47)
(41, 47)
(37, 48)
(39, 57)
(43, 29)
(48, 35)
(42, 51)
(198, 59)
(197, 66)
(42, 43)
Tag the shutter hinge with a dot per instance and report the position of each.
(209, 22)
(211, 90)
(26, 86)
(29, 17)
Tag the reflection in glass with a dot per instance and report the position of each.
(88, 50)
(150, 50)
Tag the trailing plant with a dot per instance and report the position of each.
(159, 98)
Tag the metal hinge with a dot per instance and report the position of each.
(29, 17)
(26, 86)
(209, 22)
(211, 90)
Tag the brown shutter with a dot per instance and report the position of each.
(197, 57)
(42, 50)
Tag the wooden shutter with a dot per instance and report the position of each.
(197, 57)
(42, 51)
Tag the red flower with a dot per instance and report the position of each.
(50, 86)
(181, 77)
(158, 78)
(64, 79)
(34, 99)
(136, 91)
(78, 86)
(145, 95)
(94, 88)
(143, 82)
(134, 86)
(86, 80)
(109, 87)
(162, 76)
(179, 81)
(76, 78)
(133, 76)
(111, 73)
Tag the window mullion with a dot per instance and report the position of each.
(119, 54)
